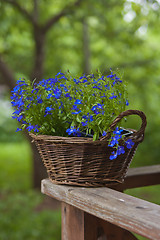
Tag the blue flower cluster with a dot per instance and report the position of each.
(114, 141)
(73, 131)
(67, 106)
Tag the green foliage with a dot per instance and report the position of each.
(16, 171)
(20, 217)
(8, 126)
(55, 106)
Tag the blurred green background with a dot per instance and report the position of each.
(38, 38)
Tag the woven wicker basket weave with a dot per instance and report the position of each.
(84, 162)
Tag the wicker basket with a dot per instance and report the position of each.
(84, 162)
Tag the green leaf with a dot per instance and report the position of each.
(53, 130)
(95, 137)
(78, 119)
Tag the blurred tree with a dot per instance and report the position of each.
(31, 12)
(39, 38)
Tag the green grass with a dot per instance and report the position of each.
(19, 218)
(15, 165)
(149, 193)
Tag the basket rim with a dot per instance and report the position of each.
(76, 140)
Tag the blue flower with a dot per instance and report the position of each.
(117, 131)
(94, 108)
(88, 118)
(49, 95)
(19, 118)
(82, 77)
(30, 127)
(111, 75)
(48, 108)
(117, 80)
(100, 106)
(95, 81)
(101, 78)
(96, 112)
(77, 112)
(78, 101)
(85, 116)
(127, 103)
(59, 73)
(24, 122)
(28, 106)
(76, 81)
(68, 95)
(21, 82)
(61, 106)
(120, 150)
(17, 102)
(29, 98)
(78, 133)
(64, 87)
(114, 140)
(48, 111)
(62, 77)
(113, 96)
(91, 119)
(57, 93)
(104, 133)
(84, 123)
(16, 113)
(85, 80)
(16, 89)
(103, 96)
(35, 90)
(98, 86)
(36, 128)
(107, 87)
(75, 108)
(129, 143)
(18, 129)
(72, 130)
(113, 156)
(39, 99)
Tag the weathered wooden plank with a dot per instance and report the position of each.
(79, 225)
(128, 212)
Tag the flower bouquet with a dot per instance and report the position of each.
(75, 123)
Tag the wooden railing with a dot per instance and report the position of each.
(105, 213)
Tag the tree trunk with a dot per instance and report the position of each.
(38, 69)
(7, 75)
(39, 171)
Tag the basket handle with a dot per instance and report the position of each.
(138, 135)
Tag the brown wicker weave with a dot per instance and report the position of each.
(84, 162)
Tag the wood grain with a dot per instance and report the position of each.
(125, 211)
(79, 225)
